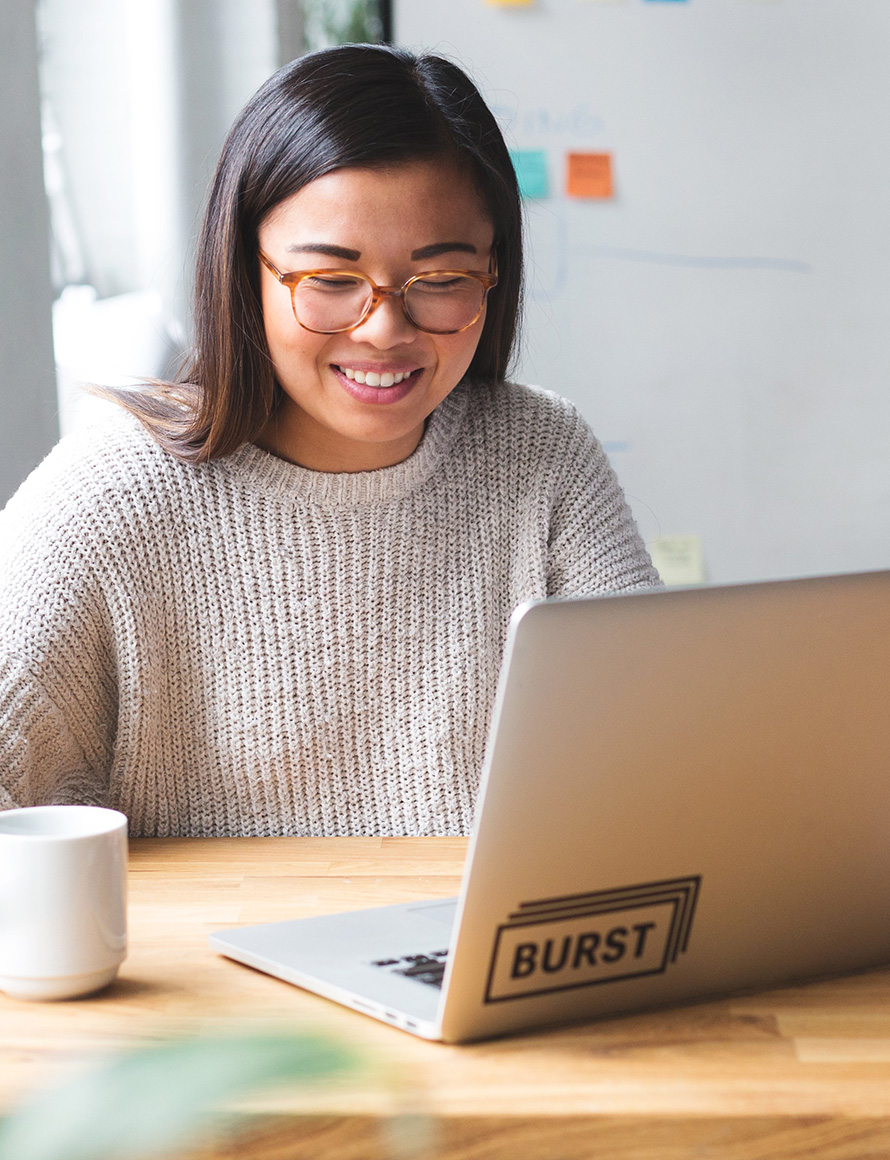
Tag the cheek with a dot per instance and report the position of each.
(273, 322)
(287, 341)
(457, 353)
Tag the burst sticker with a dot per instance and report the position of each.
(578, 940)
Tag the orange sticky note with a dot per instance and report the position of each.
(589, 175)
(511, 3)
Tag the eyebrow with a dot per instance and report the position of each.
(348, 255)
(438, 248)
(326, 248)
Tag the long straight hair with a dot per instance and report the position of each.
(355, 105)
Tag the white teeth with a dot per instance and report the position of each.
(375, 378)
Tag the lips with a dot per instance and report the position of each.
(375, 378)
(380, 384)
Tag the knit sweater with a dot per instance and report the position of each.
(248, 647)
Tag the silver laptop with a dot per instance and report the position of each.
(685, 793)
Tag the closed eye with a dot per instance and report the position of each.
(444, 282)
(331, 282)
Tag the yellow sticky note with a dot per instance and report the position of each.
(510, 3)
(680, 560)
(589, 175)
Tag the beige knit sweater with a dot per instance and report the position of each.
(248, 647)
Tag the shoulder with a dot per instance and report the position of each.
(109, 452)
(529, 425)
(519, 412)
(95, 481)
(520, 404)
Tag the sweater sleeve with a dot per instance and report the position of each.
(594, 543)
(57, 672)
(41, 761)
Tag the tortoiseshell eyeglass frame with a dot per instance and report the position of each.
(378, 293)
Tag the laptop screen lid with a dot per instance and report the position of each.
(686, 793)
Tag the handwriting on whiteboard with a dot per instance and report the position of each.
(579, 122)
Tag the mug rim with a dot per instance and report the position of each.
(104, 821)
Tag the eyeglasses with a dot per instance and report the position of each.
(439, 302)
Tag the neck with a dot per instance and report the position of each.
(305, 443)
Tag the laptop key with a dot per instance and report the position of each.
(425, 968)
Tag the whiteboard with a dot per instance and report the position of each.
(723, 321)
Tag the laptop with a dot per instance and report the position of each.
(686, 793)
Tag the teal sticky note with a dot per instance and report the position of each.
(531, 172)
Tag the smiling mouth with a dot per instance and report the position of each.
(376, 378)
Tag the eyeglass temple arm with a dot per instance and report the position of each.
(270, 266)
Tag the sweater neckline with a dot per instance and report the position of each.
(267, 473)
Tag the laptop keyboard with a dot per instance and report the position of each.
(428, 968)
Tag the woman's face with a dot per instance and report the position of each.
(390, 224)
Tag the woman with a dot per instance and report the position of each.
(272, 598)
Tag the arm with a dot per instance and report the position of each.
(57, 674)
(594, 543)
(41, 761)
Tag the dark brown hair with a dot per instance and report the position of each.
(355, 105)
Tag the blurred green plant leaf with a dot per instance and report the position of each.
(329, 22)
(151, 1101)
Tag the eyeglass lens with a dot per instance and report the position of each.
(439, 303)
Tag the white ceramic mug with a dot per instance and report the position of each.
(63, 900)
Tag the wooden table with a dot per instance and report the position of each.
(804, 1071)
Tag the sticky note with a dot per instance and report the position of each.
(589, 175)
(680, 560)
(510, 3)
(531, 172)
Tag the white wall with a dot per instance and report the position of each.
(139, 95)
(143, 92)
(724, 320)
(28, 408)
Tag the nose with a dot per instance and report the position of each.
(386, 326)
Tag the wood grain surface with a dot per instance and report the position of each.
(798, 1072)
